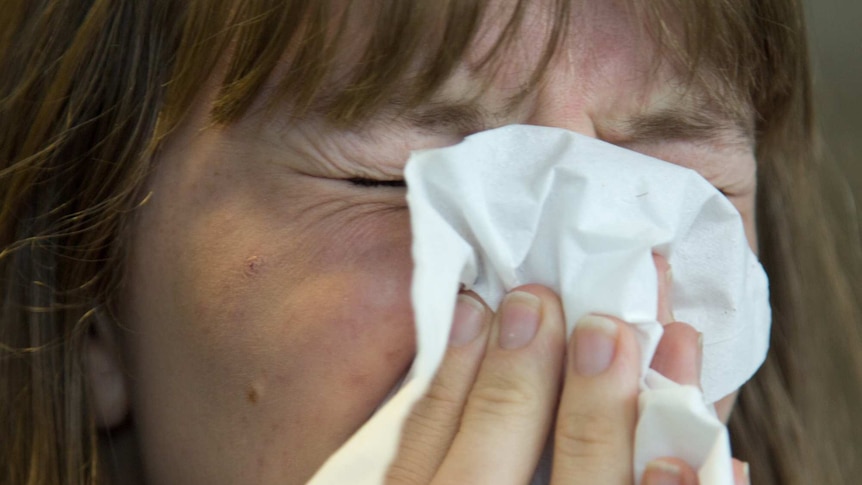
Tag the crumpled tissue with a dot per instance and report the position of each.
(527, 204)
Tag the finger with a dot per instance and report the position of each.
(434, 420)
(596, 418)
(510, 408)
(680, 351)
(679, 354)
(741, 473)
(665, 309)
(669, 471)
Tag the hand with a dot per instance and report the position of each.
(508, 379)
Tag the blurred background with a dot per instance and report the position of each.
(835, 30)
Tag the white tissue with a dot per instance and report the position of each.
(526, 204)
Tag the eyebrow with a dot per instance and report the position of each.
(466, 117)
(692, 119)
(689, 121)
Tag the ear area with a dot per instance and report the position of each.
(105, 374)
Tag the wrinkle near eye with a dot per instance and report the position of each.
(351, 230)
(340, 209)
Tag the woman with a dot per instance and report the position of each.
(206, 251)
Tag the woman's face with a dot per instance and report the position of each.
(268, 298)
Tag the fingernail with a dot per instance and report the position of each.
(669, 275)
(595, 344)
(660, 472)
(746, 471)
(467, 321)
(519, 319)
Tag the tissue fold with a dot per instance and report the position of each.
(526, 204)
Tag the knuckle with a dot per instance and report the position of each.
(436, 414)
(503, 397)
(586, 435)
(442, 394)
(424, 426)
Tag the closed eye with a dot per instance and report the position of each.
(372, 183)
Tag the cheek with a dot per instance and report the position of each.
(253, 328)
(348, 323)
(337, 345)
(750, 225)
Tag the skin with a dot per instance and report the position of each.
(268, 298)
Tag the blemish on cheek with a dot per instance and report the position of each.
(252, 266)
(252, 394)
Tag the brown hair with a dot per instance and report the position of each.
(88, 89)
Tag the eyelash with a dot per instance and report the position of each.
(375, 183)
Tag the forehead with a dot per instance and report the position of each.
(349, 60)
